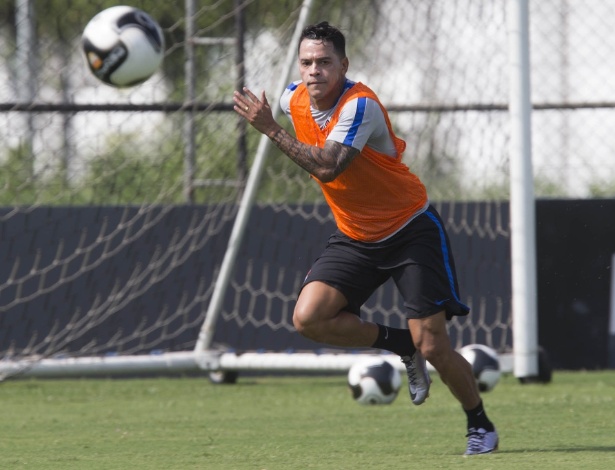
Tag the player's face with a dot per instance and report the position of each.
(322, 71)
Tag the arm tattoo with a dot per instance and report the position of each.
(326, 163)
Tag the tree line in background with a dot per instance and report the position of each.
(127, 174)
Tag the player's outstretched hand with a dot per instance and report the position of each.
(256, 111)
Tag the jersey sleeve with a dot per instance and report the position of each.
(360, 121)
(285, 99)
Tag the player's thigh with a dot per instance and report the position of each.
(318, 301)
(341, 272)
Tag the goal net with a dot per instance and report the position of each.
(117, 205)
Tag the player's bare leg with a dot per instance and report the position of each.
(320, 316)
(431, 338)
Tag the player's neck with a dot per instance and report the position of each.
(330, 101)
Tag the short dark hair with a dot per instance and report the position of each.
(326, 33)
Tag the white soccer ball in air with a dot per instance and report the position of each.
(485, 365)
(374, 381)
(123, 46)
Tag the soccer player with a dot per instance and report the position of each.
(386, 227)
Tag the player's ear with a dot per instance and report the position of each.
(345, 64)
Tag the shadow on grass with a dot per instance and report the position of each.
(575, 449)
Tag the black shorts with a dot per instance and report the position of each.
(418, 258)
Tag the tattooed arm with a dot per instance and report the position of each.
(326, 163)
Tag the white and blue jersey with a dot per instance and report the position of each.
(361, 122)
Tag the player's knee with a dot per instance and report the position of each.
(433, 341)
(303, 320)
(310, 321)
(434, 346)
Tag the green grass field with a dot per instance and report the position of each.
(297, 423)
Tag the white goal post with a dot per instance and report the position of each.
(522, 202)
(206, 333)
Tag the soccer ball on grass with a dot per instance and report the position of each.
(373, 381)
(485, 365)
(123, 46)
